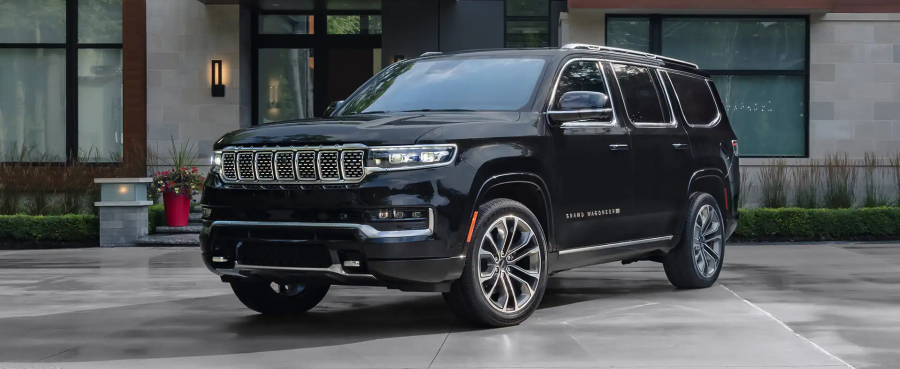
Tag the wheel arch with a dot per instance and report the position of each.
(711, 181)
(527, 188)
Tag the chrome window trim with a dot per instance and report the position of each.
(673, 123)
(616, 244)
(367, 230)
(715, 121)
(614, 122)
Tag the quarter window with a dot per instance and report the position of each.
(640, 91)
(583, 75)
(695, 98)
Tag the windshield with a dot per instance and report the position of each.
(502, 84)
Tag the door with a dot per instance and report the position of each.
(593, 167)
(661, 151)
(348, 69)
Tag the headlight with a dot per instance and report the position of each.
(215, 162)
(410, 157)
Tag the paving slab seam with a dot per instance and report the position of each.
(785, 326)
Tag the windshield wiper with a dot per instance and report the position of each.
(370, 112)
(427, 110)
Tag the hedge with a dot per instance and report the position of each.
(157, 216)
(74, 228)
(794, 224)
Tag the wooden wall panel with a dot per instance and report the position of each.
(134, 80)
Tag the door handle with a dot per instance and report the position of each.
(679, 146)
(618, 147)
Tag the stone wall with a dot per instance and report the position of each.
(183, 37)
(855, 84)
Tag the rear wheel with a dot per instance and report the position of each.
(506, 267)
(270, 298)
(697, 260)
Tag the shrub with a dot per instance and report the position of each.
(840, 181)
(872, 177)
(157, 217)
(807, 180)
(773, 184)
(795, 224)
(83, 228)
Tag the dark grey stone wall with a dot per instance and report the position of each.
(471, 24)
(409, 28)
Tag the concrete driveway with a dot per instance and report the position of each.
(796, 306)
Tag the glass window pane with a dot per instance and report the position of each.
(30, 21)
(528, 8)
(374, 24)
(32, 104)
(286, 24)
(736, 43)
(695, 98)
(527, 34)
(484, 84)
(628, 33)
(285, 84)
(100, 105)
(643, 102)
(766, 113)
(100, 21)
(343, 25)
(580, 76)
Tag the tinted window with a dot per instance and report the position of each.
(640, 90)
(502, 84)
(580, 76)
(696, 99)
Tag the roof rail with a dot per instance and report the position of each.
(431, 53)
(626, 51)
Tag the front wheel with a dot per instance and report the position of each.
(506, 267)
(269, 298)
(697, 260)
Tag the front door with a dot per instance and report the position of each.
(593, 169)
(662, 151)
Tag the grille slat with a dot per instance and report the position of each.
(329, 169)
(293, 165)
(264, 169)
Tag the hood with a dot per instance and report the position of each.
(368, 129)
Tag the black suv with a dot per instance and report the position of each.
(479, 175)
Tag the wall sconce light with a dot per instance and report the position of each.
(273, 96)
(218, 87)
(398, 58)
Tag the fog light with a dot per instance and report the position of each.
(384, 214)
(207, 212)
(417, 214)
(219, 259)
(399, 214)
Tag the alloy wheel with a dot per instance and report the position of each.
(509, 264)
(707, 245)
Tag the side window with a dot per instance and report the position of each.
(644, 99)
(582, 75)
(695, 98)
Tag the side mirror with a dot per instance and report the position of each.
(334, 106)
(581, 105)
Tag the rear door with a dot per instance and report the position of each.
(593, 167)
(661, 150)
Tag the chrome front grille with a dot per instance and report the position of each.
(294, 165)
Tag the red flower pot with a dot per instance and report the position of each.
(178, 207)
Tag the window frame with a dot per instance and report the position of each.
(656, 48)
(71, 47)
(712, 94)
(601, 63)
(673, 123)
(526, 18)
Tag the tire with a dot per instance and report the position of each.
(698, 264)
(263, 298)
(521, 267)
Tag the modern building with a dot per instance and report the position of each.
(80, 78)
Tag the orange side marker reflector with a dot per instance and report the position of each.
(472, 227)
(726, 198)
